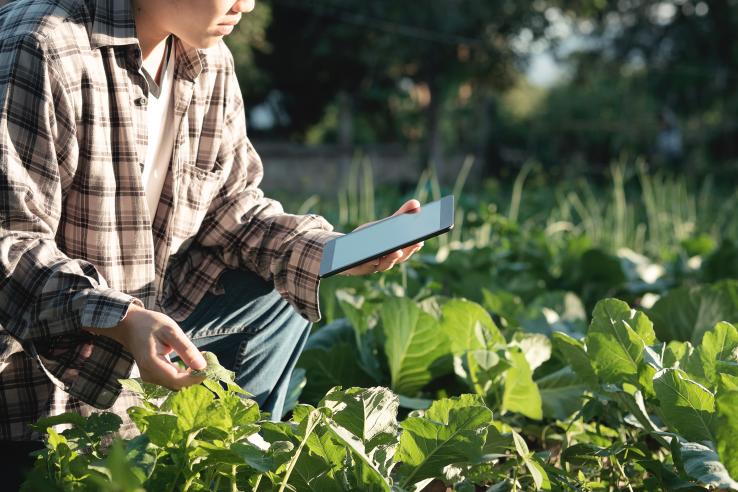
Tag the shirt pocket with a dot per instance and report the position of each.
(197, 189)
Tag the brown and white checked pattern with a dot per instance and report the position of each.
(76, 244)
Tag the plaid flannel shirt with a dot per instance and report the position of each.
(77, 246)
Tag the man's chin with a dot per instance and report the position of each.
(202, 43)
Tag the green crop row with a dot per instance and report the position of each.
(613, 409)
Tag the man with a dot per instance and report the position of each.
(131, 220)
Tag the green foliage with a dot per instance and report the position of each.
(510, 387)
(616, 340)
(600, 398)
(415, 345)
(726, 428)
(687, 313)
(686, 406)
(450, 431)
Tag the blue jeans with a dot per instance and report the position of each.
(254, 332)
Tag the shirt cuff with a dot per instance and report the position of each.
(88, 367)
(105, 308)
(303, 271)
(95, 379)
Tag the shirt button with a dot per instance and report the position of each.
(141, 101)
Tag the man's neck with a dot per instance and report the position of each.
(151, 38)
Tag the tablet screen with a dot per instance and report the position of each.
(387, 235)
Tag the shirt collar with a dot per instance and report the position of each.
(189, 61)
(113, 24)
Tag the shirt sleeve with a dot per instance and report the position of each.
(251, 231)
(45, 296)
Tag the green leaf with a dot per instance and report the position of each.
(415, 403)
(554, 311)
(562, 393)
(213, 370)
(635, 404)
(165, 477)
(503, 304)
(535, 347)
(142, 455)
(674, 352)
(717, 345)
(323, 457)
(727, 382)
(365, 420)
(459, 320)
(55, 439)
(574, 353)
(521, 393)
(662, 477)
(65, 418)
(133, 385)
(163, 430)
(537, 473)
(687, 313)
(495, 444)
(331, 359)
(416, 348)
(263, 461)
(702, 463)
(124, 477)
(361, 315)
(452, 432)
(687, 407)
(726, 430)
(365, 413)
(362, 472)
(196, 408)
(481, 370)
(600, 268)
(100, 424)
(520, 445)
(580, 453)
(138, 416)
(148, 391)
(616, 340)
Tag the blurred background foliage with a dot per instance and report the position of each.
(571, 84)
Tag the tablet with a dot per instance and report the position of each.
(387, 235)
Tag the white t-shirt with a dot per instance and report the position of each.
(160, 118)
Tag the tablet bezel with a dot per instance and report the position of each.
(446, 223)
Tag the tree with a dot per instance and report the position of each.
(374, 53)
(685, 53)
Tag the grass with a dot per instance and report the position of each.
(650, 212)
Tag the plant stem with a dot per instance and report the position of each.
(312, 422)
(622, 472)
(188, 483)
(517, 192)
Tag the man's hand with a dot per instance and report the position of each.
(391, 259)
(150, 337)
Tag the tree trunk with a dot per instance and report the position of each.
(484, 156)
(432, 155)
(345, 121)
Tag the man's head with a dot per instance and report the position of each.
(199, 23)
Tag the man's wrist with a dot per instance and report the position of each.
(118, 331)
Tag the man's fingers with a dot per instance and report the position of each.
(186, 350)
(388, 261)
(159, 370)
(409, 251)
(410, 206)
